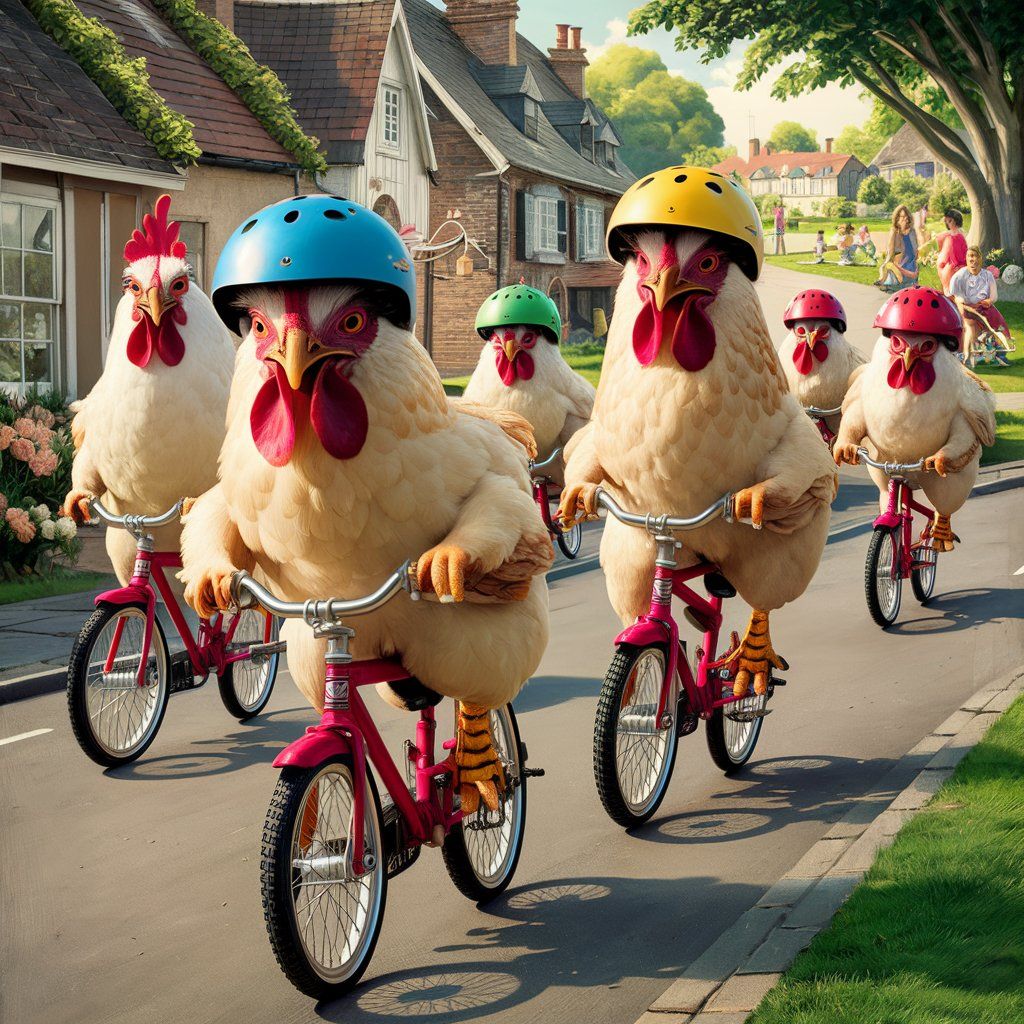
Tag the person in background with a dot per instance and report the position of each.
(779, 214)
(819, 248)
(973, 289)
(866, 244)
(921, 225)
(899, 270)
(952, 248)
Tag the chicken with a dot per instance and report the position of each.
(816, 358)
(521, 368)
(916, 400)
(692, 403)
(343, 457)
(149, 431)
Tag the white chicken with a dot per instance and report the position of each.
(149, 431)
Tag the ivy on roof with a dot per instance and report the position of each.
(256, 85)
(124, 81)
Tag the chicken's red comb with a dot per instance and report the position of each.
(160, 237)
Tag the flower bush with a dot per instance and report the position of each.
(35, 473)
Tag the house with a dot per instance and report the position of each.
(527, 161)
(354, 84)
(72, 175)
(906, 151)
(801, 179)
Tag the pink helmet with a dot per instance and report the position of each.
(816, 305)
(924, 311)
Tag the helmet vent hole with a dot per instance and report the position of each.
(332, 214)
(935, 303)
(680, 178)
(714, 186)
(249, 226)
(352, 210)
(645, 183)
(291, 216)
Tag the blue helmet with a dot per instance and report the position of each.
(313, 239)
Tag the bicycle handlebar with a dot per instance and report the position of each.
(665, 523)
(331, 609)
(890, 468)
(534, 466)
(813, 410)
(136, 524)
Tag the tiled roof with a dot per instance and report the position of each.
(907, 147)
(49, 105)
(329, 55)
(224, 125)
(814, 163)
(455, 68)
(507, 81)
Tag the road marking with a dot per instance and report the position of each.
(25, 736)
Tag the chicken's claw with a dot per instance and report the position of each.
(943, 537)
(186, 506)
(481, 774)
(210, 592)
(749, 504)
(76, 506)
(577, 504)
(442, 570)
(753, 657)
(846, 453)
(937, 463)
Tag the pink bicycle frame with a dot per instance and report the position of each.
(899, 514)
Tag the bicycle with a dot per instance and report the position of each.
(329, 844)
(121, 673)
(642, 710)
(571, 540)
(892, 556)
(819, 416)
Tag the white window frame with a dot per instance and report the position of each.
(545, 224)
(47, 198)
(592, 233)
(391, 117)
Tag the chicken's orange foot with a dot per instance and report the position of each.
(442, 570)
(577, 504)
(481, 774)
(76, 505)
(943, 536)
(749, 504)
(752, 658)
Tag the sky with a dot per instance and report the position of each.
(827, 111)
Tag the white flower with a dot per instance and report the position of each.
(40, 513)
(48, 528)
(1013, 274)
(65, 528)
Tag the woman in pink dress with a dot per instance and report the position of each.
(952, 248)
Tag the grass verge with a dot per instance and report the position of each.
(588, 366)
(1009, 446)
(933, 935)
(64, 581)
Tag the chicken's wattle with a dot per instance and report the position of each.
(685, 322)
(333, 405)
(520, 365)
(806, 352)
(920, 377)
(163, 338)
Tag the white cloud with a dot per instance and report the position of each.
(616, 29)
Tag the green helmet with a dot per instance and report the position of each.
(518, 304)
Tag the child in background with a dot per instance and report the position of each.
(819, 248)
(866, 244)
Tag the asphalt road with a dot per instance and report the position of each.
(133, 896)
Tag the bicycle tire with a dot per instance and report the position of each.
(922, 580)
(226, 684)
(880, 549)
(571, 541)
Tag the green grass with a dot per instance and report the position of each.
(61, 581)
(1009, 446)
(816, 222)
(934, 934)
(588, 366)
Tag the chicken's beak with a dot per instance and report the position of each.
(510, 347)
(155, 305)
(664, 286)
(819, 334)
(299, 351)
(910, 356)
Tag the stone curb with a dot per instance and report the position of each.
(725, 984)
(34, 685)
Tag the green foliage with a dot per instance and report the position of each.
(838, 206)
(659, 116)
(766, 203)
(708, 156)
(257, 86)
(789, 136)
(997, 258)
(948, 193)
(124, 81)
(874, 190)
(910, 190)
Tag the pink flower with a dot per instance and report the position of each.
(44, 437)
(7, 435)
(43, 463)
(3, 503)
(41, 415)
(22, 448)
(20, 524)
(26, 427)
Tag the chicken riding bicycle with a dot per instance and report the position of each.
(569, 540)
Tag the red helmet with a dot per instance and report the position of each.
(924, 311)
(816, 305)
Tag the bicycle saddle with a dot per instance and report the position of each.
(413, 695)
(718, 586)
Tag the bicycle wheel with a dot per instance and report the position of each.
(882, 589)
(922, 577)
(733, 731)
(570, 541)
(481, 853)
(245, 686)
(323, 921)
(113, 718)
(633, 757)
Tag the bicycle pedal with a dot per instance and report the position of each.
(182, 675)
(399, 854)
(687, 724)
(778, 682)
(257, 651)
(531, 773)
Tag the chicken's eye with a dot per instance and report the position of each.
(928, 347)
(131, 285)
(259, 327)
(896, 344)
(801, 331)
(643, 266)
(353, 321)
(708, 264)
(529, 340)
(179, 286)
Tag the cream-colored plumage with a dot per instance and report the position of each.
(826, 385)
(556, 401)
(147, 436)
(664, 439)
(946, 425)
(428, 474)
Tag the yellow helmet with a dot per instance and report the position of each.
(691, 197)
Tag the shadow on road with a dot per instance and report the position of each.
(963, 609)
(549, 691)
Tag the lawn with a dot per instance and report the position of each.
(934, 934)
(875, 225)
(61, 581)
(588, 366)
(1009, 446)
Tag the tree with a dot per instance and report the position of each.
(838, 206)
(966, 54)
(874, 190)
(659, 116)
(909, 190)
(708, 156)
(791, 137)
(948, 192)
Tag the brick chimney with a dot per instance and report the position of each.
(828, 145)
(753, 148)
(487, 27)
(222, 10)
(767, 149)
(569, 59)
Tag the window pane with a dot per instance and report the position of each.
(38, 228)
(192, 235)
(38, 363)
(38, 321)
(10, 219)
(12, 272)
(10, 361)
(10, 320)
(39, 274)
